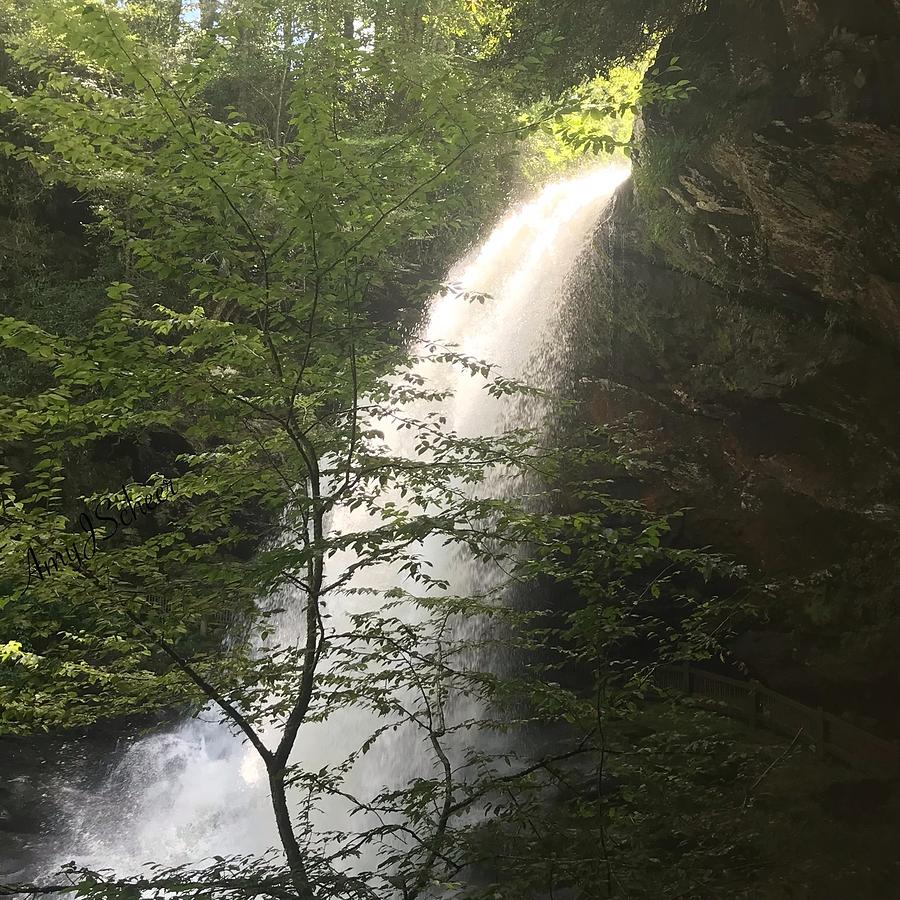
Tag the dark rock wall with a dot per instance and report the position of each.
(740, 310)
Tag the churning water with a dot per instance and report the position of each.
(197, 790)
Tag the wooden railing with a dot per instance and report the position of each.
(763, 708)
(222, 618)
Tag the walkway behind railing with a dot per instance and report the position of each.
(764, 708)
(222, 618)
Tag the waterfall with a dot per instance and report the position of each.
(197, 790)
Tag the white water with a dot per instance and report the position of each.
(196, 791)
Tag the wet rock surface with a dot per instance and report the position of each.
(740, 311)
(45, 778)
(26, 802)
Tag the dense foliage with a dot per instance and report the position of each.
(581, 40)
(254, 185)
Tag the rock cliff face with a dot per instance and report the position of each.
(741, 310)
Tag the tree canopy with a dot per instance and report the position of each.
(266, 183)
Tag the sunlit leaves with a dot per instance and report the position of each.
(242, 330)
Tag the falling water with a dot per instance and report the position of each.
(195, 791)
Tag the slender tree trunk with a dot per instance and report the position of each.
(285, 86)
(289, 843)
(175, 11)
(209, 13)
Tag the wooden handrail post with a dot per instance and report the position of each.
(763, 708)
(753, 705)
(820, 731)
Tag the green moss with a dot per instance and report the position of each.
(664, 223)
(661, 160)
(668, 228)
